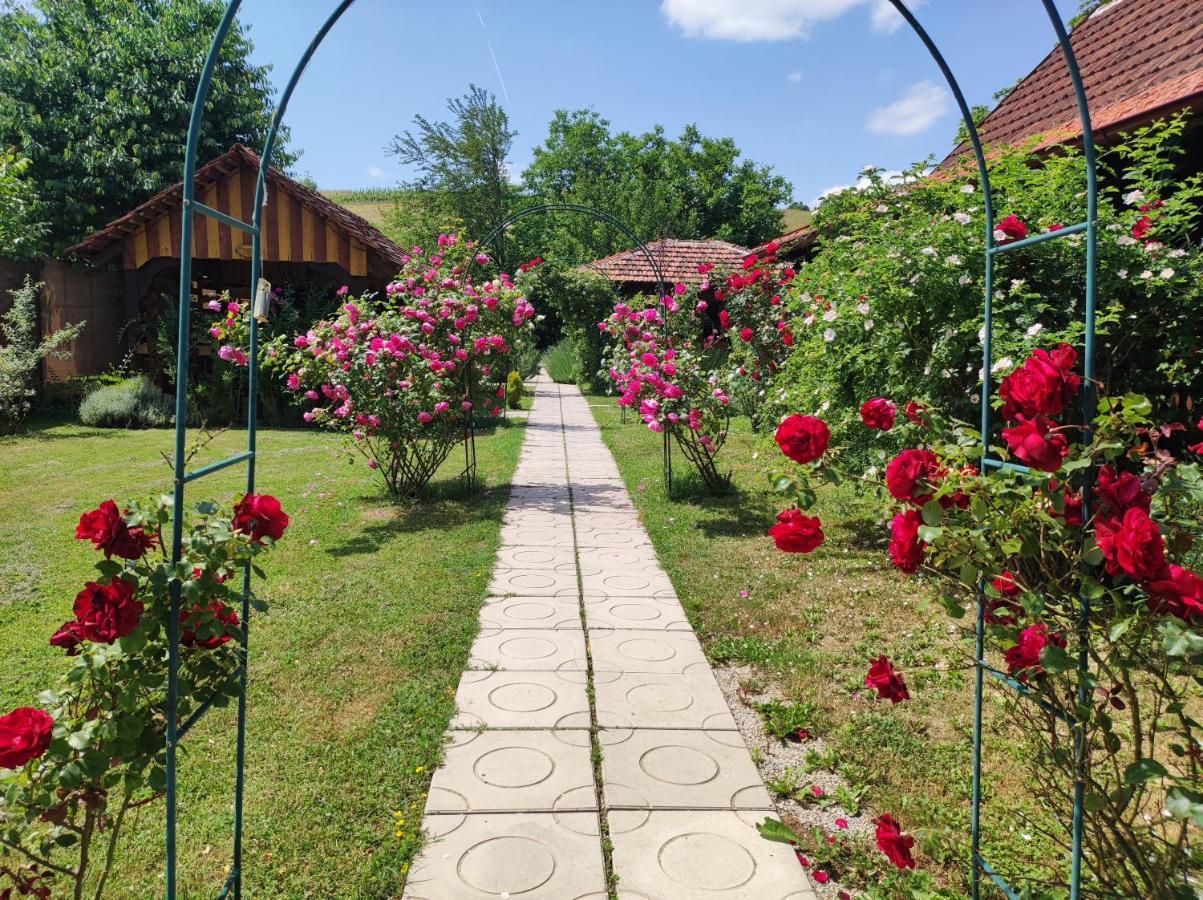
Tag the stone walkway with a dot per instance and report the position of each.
(589, 713)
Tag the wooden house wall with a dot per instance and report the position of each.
(292, 232)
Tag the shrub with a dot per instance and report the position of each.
(527, 362)
(582, 299)
(133, 403)
(514, 391)
(21, 352)
(400, 374)
(561, 362)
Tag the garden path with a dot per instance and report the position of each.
(589, 712)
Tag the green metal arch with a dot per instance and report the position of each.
(175, 732)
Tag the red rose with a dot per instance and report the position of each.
(724, 319)
(1013, 229)
(796, 532)
(24, 735)
(803, 438)
(1035, 444)
(107, 612)
(1117, 494)
(217, 612)
(878, 413)
(913, 475)
(745, 334)
(260, 516)
(1042, 386)
(1005, 585)
(1023, 660)
(1003, 610)
(1142, 228)
(1132, 545)
(69, 636)
(106, 529)
(893, 843)
(1177, 592)
(887, 682)
(914, 412)
(906, 550)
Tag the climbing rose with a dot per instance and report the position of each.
(803, 438)
(912, 476)
(1003, 610)
(893, 843)
(1177, 592)
(106, 529)
(1042, 386)
(221, 613)
(914, 412)
(1023, 660)
(260, 516)
(745, 334)
(1012, 228)
(796, 532)
(887, 682)
(1005, 585)
(69, 636)
(106, 612)
(878, 413)
(1132, 545)
(1117, 494)
(1034, 444)
(24, 735)
(906, 550)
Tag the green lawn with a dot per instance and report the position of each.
(812, 624)
(353, 670)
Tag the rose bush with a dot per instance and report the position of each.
(1107, 517)
(400, 374)
(658, 364)
(73, 767)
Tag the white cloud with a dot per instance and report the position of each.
(375, 172)
(889, 176)
(920, 108)
(886, 19)
(794, 77)
(771, 20)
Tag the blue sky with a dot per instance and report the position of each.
(816, 88)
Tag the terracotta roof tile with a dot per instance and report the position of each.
(797, 239)
(1139, 59)
(168, 201)
(678, 261)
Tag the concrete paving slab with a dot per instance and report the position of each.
(703, 854)
(520, 700)
(532, 856)
(682, 769)
(520, 650)
(555, 613)
(662, 701)
(643, 614)
(647, 652)
(512, 771)
(534, 583)
(535, 558)
(629, 582)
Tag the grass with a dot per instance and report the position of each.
(353, 670)
(811, 625)
(372, 204)
(796, 218)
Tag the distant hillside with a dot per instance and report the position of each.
(370, 203)
(796, 218)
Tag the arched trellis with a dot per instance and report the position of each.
(191, 207)
(629, 233)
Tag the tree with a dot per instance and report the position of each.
(97, 95)
(691, 187)
(21, 228)
(462, 162)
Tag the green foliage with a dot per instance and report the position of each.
(691, 187)
(581, 299)
(21, 229)
(892, 303)
(783, 720)
(22, 352)
(461, 165)
(97, 94)
(514, 390)
(133, 403)
(562, 363)
(528, 360)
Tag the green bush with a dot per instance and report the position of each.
(561, 362)
(22, 351)
(134, 403)
(528, 360)
(514, 391)
(582, 299)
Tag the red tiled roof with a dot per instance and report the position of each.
(96, 245)
(678, 261)
(1139, 59)
(798, 239)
